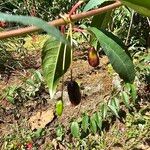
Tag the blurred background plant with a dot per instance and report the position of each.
(44, 9)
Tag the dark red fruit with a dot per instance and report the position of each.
(93, 58)
(74, 92)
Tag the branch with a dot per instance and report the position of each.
(59, 22)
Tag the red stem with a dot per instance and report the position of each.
(78, 30)
(75, 7)
(63, 29)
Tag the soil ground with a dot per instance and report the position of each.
(96, 86)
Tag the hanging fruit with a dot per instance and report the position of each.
(93, 58)
(74, 92)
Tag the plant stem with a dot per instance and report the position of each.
(130, 26)
(75, 7)
(59, 22)
(148, 20)
(71, 43)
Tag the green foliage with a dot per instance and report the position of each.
(98, 119)
(125, 98)
(10, 94)
(113, 47)
(95, 122)
(46, 10)
(114, 106)
(132, 89)
(56, 59)
(75, 130)
(93, 126)
(93, 3)
(51, 30)
(101, 21)
(103, 110)
(142, 7)
(19, 94)
(59, 132)
(85, 122)
(59, 107)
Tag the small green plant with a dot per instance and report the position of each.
(94, 123)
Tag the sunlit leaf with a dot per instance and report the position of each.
(128, 87)
(59, 132)
(113, 108)
(75, 129)
(59, 107)
(126, 99)
(10, 99)
(116, 103)
(98, 120)
(85, 122)
(93, 125)
(103, 110)
(56, 59)
(133, 92)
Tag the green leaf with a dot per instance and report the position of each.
(59, 107)
(101, 20)
(10, 99)
(114, 49)
(116, 103)
(93, 3)
(30, 82)
(98, 120)
(12, 90)
(104, 110)
(27, 20)
(133, 92)
(56, 59)
(128, 87)
(113, 108)
(85, 122)
(60, 132)
(38, 133)
(75, 129)
(126, 99)
(141, 6)
(93, 125)
(38, 76)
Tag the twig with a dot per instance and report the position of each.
(148, 21)
(130, 26)
(75, 7)
(59, 22)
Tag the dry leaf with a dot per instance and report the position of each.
(41, 119)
